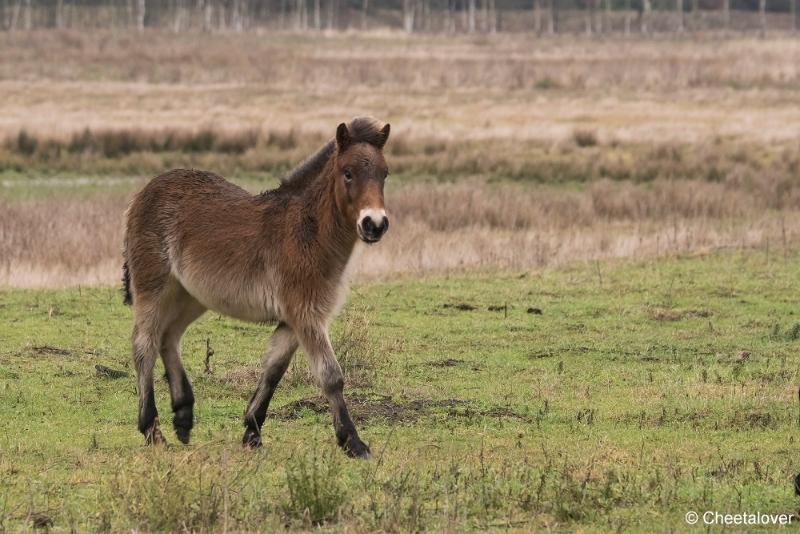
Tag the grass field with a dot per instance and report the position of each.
(642, 390)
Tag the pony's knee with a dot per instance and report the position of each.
(331, 379)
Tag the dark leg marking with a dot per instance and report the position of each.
(346, 434)
(282, 346)
(183, 408)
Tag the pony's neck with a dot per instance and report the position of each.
(335, 238)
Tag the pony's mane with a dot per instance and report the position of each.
(366, 130)
(362, 130)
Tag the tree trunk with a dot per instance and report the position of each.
(587, 17)
(59, 14)
(793, 12)
(762, 11)
(492, 17)
(208, 15)
(15, 16)
(551, 17)
(364, 8)
(627, 17)
(408, 16)
(450, 20)
(140, 14)
(607, 16)
(679, 9)
(645, 16)
(726, 14)
(28, 18)
(471, 17)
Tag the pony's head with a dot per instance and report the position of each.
(360, 172)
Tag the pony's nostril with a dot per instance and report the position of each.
(368, 225)
(384, 224)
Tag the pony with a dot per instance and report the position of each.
(196, 242)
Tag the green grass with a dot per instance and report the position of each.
(643, 390)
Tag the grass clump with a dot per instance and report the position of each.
(316, 487)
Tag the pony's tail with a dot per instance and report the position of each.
(126, 284)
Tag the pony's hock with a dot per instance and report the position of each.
(195, 242)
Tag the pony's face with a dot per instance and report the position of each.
(360, 174)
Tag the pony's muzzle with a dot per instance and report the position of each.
(372, 225)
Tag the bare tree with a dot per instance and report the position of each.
(331, 21)
(587, 16)
(762, 11)
(408, 15)
(208, 15)
(793, 13)
(726, 14)
(364, 7)
(28, 24)
(679, 9)
(15, 15)
(645, 16)
(471, 17)
(59, 23)
(450, 18)
(627, 17)
(552, 16)
(140, 14)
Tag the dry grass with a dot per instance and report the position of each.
(507, 87)
(66, 240)
(582, 157)
(664, 146)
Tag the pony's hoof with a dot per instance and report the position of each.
(183, 434)
(355, 448)
(251, 439)
(182, 423)
(154, 436)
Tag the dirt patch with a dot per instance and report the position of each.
(47, 349)
(449, 362)
(664, 314)
(366, 409)
(461, 306)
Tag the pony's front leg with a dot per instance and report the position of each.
(279, 353)
(328, 373)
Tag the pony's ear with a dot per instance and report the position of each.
(384, 135)
(343, 138)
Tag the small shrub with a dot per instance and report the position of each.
(355, 350)
(546, 83)
(25, 143)
(584, 138)
(202, 141)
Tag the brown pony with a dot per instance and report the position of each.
(195, 242)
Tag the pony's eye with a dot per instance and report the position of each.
(348, 176)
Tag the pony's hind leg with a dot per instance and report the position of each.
(145, 351)
(282, 346)
(185, 310)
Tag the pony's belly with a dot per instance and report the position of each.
(257, 303)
